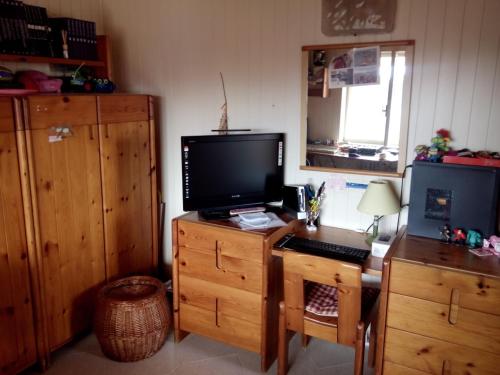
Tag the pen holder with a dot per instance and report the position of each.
(313, 209)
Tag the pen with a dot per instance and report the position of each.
(321, 189)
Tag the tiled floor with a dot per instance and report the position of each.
(200, 356)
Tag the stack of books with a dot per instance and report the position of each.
(37, 22)
(13, 28)
(74, 38)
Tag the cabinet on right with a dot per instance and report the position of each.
(441, 310)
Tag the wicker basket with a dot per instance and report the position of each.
(132, 318)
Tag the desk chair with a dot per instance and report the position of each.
(357, 306)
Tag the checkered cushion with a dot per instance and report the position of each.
(323, 299)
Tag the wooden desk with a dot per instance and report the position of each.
(345, 237)
(439, 311)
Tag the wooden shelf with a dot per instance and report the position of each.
(101, 65)
(50, 60)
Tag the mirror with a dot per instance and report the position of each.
(355, 107)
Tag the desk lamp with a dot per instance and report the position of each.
(378, 200)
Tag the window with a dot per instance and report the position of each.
(372, 114)
(356, 129)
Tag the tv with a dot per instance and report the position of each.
(223, 172)
(461, 196)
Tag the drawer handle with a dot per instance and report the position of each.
(217, 312)
(446, 367)
(218, 255)
(453, 314)
(91, 133)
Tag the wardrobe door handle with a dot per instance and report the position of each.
(91, 132)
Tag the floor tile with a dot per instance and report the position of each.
(201, 356)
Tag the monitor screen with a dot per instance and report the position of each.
(461, 196)
(227, 171)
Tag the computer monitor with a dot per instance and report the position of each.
(461, 196)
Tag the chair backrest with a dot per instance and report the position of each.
(346, 277)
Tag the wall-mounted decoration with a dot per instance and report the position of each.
(352, 17)
(355, 66)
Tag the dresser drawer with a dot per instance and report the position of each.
(123, 108)
(225, 242)
(222, 269)
(435, 356)
(472, 292)
(444, 321)
(221, 299)
(394, 369)
(71, 110)
(221, 327)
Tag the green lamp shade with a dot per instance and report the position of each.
(379, 199)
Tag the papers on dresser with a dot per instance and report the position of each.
(259, 220)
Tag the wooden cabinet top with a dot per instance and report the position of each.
(431, 252)
(193, 217)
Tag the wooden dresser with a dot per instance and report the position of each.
(442, 307)
(226, 283)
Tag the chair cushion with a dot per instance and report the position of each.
(323, 299)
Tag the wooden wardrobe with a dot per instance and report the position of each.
(87, 178)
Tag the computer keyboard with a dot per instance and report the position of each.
(324, 249)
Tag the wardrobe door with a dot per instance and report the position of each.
(129, 185)
(17, 337)
(63, 150)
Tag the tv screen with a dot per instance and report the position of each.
(221, 172)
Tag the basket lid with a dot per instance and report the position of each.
(132, 289)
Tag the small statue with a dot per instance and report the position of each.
(458, 237)
(445, 234)
(438, 148)
(474, 239)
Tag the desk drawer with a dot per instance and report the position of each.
(221, 327)
(221, 299)
(435, 356)
(225, 242)
(224, 270)
(452, 323)
(61, 110)
(433, 284)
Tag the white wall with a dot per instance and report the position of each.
(174, 49)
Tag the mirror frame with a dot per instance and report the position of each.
(405, 111)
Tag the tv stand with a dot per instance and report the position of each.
(227, 283)
(226, 214)
(214, 214)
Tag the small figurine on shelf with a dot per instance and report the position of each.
(445, 233)
(438, 148)
(458, 237)
(474, 239)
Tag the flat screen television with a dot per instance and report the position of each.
(222, 172)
